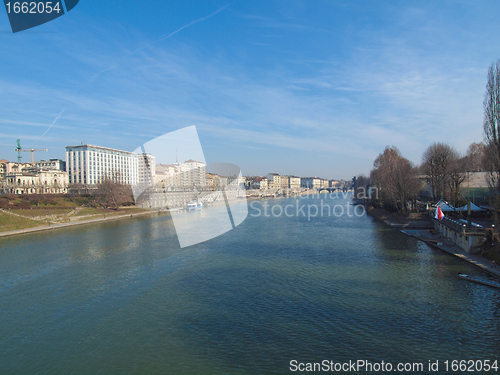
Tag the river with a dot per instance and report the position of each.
(123, 297)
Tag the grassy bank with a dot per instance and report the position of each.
(11, 222)
(29, 211)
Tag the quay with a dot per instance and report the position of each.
(447, 246)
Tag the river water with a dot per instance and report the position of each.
(123, 297)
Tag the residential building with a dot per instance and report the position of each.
(275, 181)
(310, 182)
(263, 183)
(11, 167)
(294, 182)
(146, 169)
(259, 183)
(284, 182)
(192, 173)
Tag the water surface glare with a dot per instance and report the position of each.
(122, 297)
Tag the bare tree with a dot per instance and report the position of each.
(474, 157)
(360, 185)
(491, 124)
(396, 180)
(455, 176)
(443, 170)
(111, 194)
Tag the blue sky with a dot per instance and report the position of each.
(293, 87)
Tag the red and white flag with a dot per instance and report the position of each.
(439, 214)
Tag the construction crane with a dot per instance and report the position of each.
(19, 150)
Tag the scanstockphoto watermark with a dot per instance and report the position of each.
(301, 209)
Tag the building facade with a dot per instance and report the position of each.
(7, 167)
(90, 165)
(52, 164)
(146, 169)
(310, 182)
(276, 181)
(35, 182)
(192, 174)
(294, 182)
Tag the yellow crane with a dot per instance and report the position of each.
(19, 150)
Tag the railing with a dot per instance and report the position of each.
(459, 227)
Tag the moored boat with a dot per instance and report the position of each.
(194, 206)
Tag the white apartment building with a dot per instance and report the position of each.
(310, 182)
(90, 165)
(146, 169)
(276, 181)
(192, 173)
(294, 182)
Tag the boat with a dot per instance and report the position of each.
(478, 280)
(194, 206)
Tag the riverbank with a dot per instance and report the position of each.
(394, 220)
(75, 223)
(443, 244)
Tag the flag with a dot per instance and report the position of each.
(439, 214)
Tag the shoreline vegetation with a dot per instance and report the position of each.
(418, 224)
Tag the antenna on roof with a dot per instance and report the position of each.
(176, 156)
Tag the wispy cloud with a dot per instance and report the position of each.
(192, 23)
(50, 126)
(408, 86)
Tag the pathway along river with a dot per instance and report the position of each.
(122, 297)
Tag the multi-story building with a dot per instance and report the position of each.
(284, 182)
(146, 169)
(192, 173)
(10, 167)
(212, 181)
(294, 182)
(90, 165)
(167, 175)
(259, 183)
(310, 182)
(325, 184)
(52, 164)
(36, 182)
(275, 181)
(263, 183)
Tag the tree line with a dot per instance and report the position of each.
(398, 182)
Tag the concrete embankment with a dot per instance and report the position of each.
(393, 220)
(437, 241)
(81, 222)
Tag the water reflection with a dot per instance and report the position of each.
(123, 297)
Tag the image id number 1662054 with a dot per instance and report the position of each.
(33, 7)
(471, 365)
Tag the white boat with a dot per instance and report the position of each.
(194, 206)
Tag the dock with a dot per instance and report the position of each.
(443, 244)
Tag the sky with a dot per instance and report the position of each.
(307, 88)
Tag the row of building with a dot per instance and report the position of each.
(276, 181)
(89, 165)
